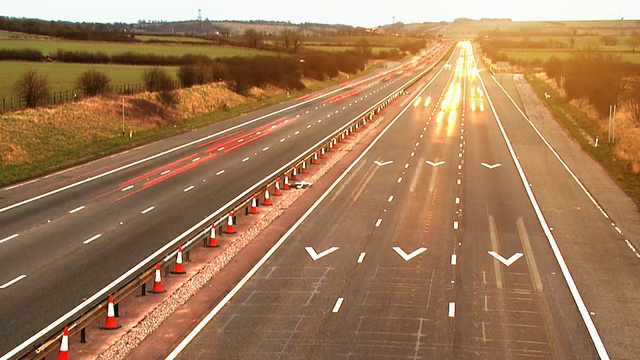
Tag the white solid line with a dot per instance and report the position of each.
(198, 328)
(76, 209)
(245, 159)
(6, 285)
(390, 198)
(265, 149)
(127, 188)
(336, 307)
(189, 188)
(8, 238)
(91, 239)
(575, 293)
(165, 172)
(378, 222)
(148, 209)
(454, 259)
(399, 179)
(220, 172)
(452, 309)
(361, 257)
(455, 225)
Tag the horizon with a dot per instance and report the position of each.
(358, 13)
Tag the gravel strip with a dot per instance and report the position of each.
(132, 338)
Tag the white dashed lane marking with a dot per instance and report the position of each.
(76, 209)
(336, 308)
(91, 239)
(188, 188)
(127, 188)
(147, 210)
(361, 257)
(8, 238)
(6, 285)
(220, 172)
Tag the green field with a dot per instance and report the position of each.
(62, 77)
(50, 47)
(381, 41)
(579, 42)
(10, 34)
(374, 49)
(544, 55)
(175, 39)
(599, 27)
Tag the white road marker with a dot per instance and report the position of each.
(8, 238)
(454, 259)
(196, 159)
(76, 209)
(220, 172)
(361, 257)
(399, 180)
(378, 222)
(508, 261)
(91, 238)
(383, 163)
(282, 140)
(148, 209)
(490, 167)
(165, 172)
(6, 285)
(457, 201)
(459, 181)
(455, 225)
(308, 126)
(390, 199)
(188, 188)
(336, 307)
(245, 159)
(315, 256)
(452, 309)
(296, 133)
(265, 149)
(411, 255)
(434, 164)
(127, 188)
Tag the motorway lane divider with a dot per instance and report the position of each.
(204, 231)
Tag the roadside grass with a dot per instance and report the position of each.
(51, 46)
(62, 76)
(40, 141)
(577, 122)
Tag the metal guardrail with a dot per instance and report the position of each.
(47, 340)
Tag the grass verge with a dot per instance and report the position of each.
(578, 123)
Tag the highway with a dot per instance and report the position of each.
(66, 236)
(428, 246)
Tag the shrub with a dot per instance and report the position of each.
(157, 79)
(32, 87)
(93, 82)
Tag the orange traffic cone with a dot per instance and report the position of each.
(254, 205)
(178, 268)
(267, 198)
(157, 282)
(331, 145)
(304, 167)
(212, 238)
(357, 127)
(364, 122)
(276, 191)
(111, 317)
(230, 229)
(63, 353)
(294, 174)
(322, 153)
(285, 184)
(315, 159)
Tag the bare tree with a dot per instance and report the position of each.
(290, 39)
(634, 40)
(93, 82)
(254, 37)
(632, 101)
(32, 87)
(157, 79)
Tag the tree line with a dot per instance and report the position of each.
(67, 30)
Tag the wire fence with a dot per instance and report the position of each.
(65, 96)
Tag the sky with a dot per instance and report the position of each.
(350, 12)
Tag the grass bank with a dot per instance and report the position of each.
(621, 159)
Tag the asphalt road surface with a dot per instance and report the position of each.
(66, 236)
(429, 246)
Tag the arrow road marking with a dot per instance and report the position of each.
(491, 167)
(409, 256)
(383, 163)
(315, 256)
(507, 262)
(434, 164)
